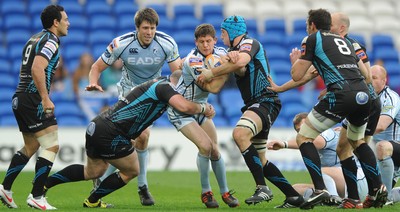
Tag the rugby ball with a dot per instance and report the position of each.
(212, 61)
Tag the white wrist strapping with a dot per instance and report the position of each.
(203, 107)
(285, 143)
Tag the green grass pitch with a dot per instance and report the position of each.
(173, 191)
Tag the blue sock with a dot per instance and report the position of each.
(143, 156)
(387, 169)
(203, 165)
(218, 167)
(111, 169)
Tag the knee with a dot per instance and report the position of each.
(240, 135)
(384, 149)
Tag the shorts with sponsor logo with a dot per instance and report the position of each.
(268, 112)
(354, 105)
(179, 120)
(105, 141)
(28, 112)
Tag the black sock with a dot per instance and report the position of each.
(313, 163)
(72, 173)
(370, 167)
(110, 184)
(42, 170)
(253, 162)
(349, 169)
(274, 175)
(18, 162)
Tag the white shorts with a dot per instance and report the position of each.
(179, 120)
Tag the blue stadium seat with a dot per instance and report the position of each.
(20, 21)
(184, 38)
(78, 22)
(188, 24)
(277, 53)
(275, 26)
(97, 7)
(294, 40)
(212, 10)
(8, 80)
(214, 20)
(182, 11)
(163, 121)
(382, 41)
(161, 9)
(280, 65)
(36, 7)
(393, 83)
(6, 94)
(392, 68)
(359, 38)
(102, 22)
(252, 28)
(184, 50)
(73, 52)
(103, 37)
(75, 37)
(280, 78)
(15, 52)
(8, 120)
(6, 108)
(12, 8)
(122, 8)
(387, 54)
(290, 96)
(299, 26)
(5, 66)
(231, 102)
(280, 122)
(72, 7)
(272, 39)
(68, 109)
(165, 25)
(126, 24)
(98, 50)
(289, 110)
(17, 37)
(220, 121)
(71, 121)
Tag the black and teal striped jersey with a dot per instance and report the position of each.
(332, 56)
(140, 108)
(45, 44)
(253, 85)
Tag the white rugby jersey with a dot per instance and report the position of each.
(141, 63)
(186, 84)
(390, 103)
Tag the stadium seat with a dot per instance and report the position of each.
(291, 96)
(358, 38)
(102, 22)
(294, 40)
(71, 121)
(289, 110)
(13, 8)
(122, 8)
(331, 6)
(274, 39)
(188, 24)
(160, 8)
(214, 20)
(299, 26)
(166, 25)
(393, 82)
(277, 53)
(231, 102)
(72, 7)
(15, 52)
(387, 25)
(392, 68)
(163, 121)
(220, 121)
(36, 7)
(126, 23)
(6, 108)
(181, 11)
(8, 80)
(280, 65)
(68, 109)
(73, 52)
(98, 49)
(280, 122)
(276, 25)
(382, 41)
(252, 27)
(294, 10)
(96, 8)
(8, 120)
(184, 50)
(78, 22)
(6, 94)
(183, 38)
(215, 10)
(75, 37)
(353, 8)
(15, 21)
(17, 37)
(387, 55)
(5, 67)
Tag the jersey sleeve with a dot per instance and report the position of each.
(47, 48)
(249, 46)
(390, 105)
(329, 137)
(115, 48)
(170, 47)
(308, 47)
(164, 92)
(360, 52)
